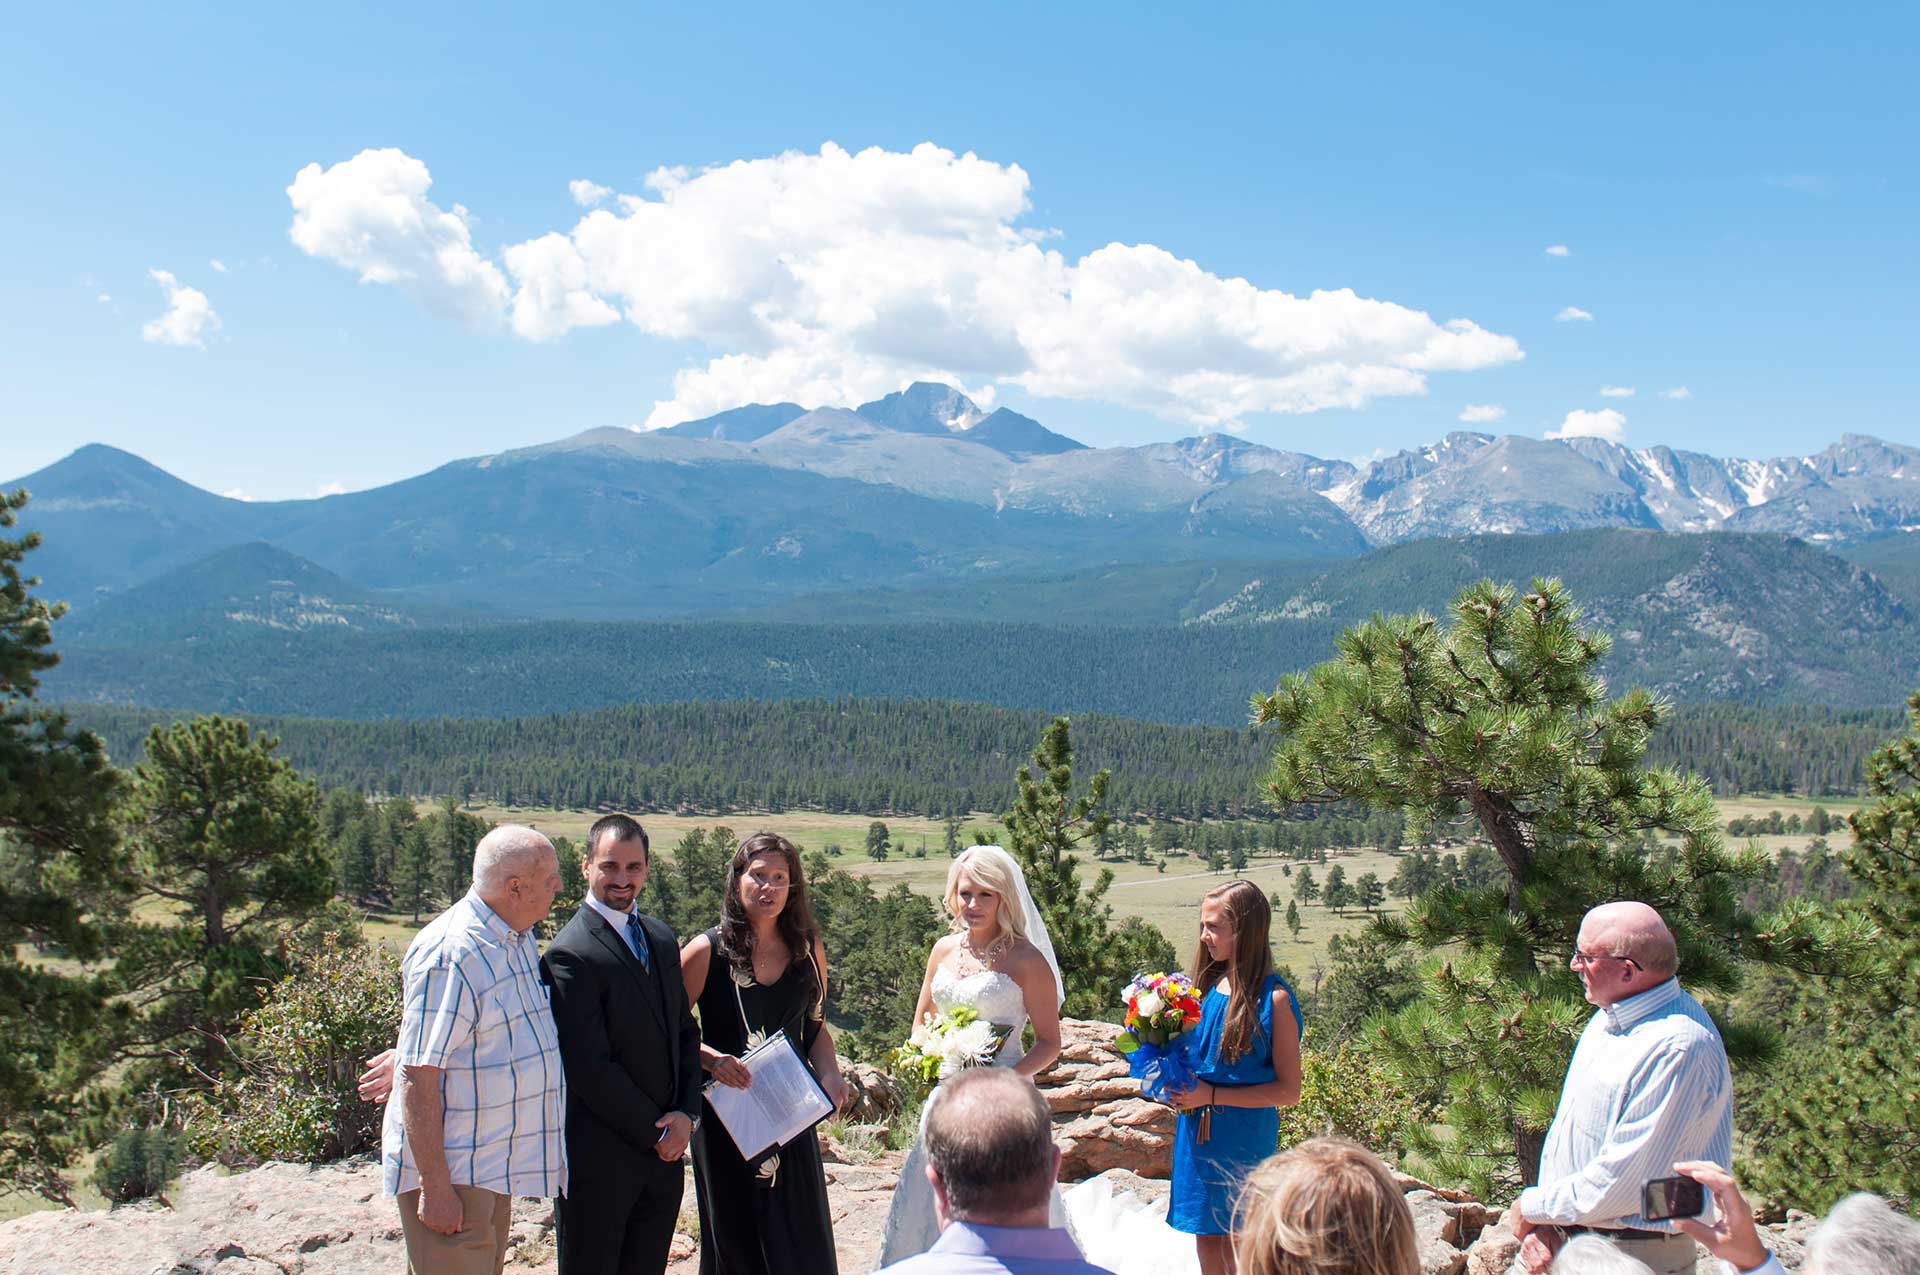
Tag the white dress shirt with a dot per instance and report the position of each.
(618, 920)
(1648, 1086)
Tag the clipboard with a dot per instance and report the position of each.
(785, 1100)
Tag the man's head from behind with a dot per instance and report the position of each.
(1623, 949)
(990, 1152)
(516, 873)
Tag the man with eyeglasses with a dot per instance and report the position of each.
(1648, 1086)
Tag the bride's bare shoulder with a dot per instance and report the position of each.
(1023, 957)
(943, 947)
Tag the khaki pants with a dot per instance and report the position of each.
(1666, 1255)
(479, 1247)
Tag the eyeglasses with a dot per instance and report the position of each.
(1588, 958)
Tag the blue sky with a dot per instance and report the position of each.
(1735, 187)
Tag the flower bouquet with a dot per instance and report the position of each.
(946, 1044)
(1160, 1007)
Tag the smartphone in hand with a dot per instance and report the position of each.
(1666, 1198)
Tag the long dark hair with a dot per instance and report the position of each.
(1251, 962)
(795, 922)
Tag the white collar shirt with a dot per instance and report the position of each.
(619, 922)
(1648, 1085)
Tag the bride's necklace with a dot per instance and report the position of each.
(986, 956)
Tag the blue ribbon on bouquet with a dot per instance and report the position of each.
(1161, 1069)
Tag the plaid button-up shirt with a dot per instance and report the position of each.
(477, 1008)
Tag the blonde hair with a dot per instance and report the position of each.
(1327, 1207)
(994, 869)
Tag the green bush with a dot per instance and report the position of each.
(300, 1052)
(1345, 1091)
(138, 1163)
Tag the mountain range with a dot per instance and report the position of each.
(1757, 618)
(773, 507)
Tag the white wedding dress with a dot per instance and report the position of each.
(1119, 1232)
(912, 1226)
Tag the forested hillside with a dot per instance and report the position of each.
(1725, 618)
(920, 757)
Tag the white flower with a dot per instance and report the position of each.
(1149, 1004)
(963, 1047)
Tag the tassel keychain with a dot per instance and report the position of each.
(1204, 1128)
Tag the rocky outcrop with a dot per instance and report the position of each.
(873, 1096)
(1099, 1118)
(331, 1219)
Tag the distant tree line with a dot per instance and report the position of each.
(920, 757)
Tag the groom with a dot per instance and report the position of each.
(631, 1051)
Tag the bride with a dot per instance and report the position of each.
(999, 960)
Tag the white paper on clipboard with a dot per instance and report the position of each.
(783, 1102)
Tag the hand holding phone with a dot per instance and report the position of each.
(1733, 1236)
(1664, 1199)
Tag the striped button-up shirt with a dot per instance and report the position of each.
(477, 1008)
(1648, 1085)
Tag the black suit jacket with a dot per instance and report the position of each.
(628, 1043)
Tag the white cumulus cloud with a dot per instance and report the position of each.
(1679, 391)
(1559, 250)
(335, 488)
(1605, 423)
(1572, 314)
(587, 193)
(236, 493)
(189, 315)
(835, 277)
(1616, 391)
(219, 266)
(371, 214)
(1482, 413)
(104, 299)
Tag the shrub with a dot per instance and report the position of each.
(1345, 1091)
(299, 1054)
(138, 1163)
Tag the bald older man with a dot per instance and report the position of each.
(1648, 1086)
(476, 1116)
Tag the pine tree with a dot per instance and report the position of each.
(1047, 823)
(1501, 719)
(57, 839)
(1305, 888)
(878, 839)
(1368, 892)
(1293, 918)
(228, 854)
(414, 873)
(1337, 893)
(1844, 1114)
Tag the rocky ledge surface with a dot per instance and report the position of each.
(297, 1219)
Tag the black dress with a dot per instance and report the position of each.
(769, 1217)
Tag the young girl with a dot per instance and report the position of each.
(1229, 1120)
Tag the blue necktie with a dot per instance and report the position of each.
(637, 940)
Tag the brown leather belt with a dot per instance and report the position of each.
(1619, 1232)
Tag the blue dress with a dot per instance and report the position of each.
(1207, 1176)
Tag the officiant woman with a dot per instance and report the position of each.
(762, 970)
